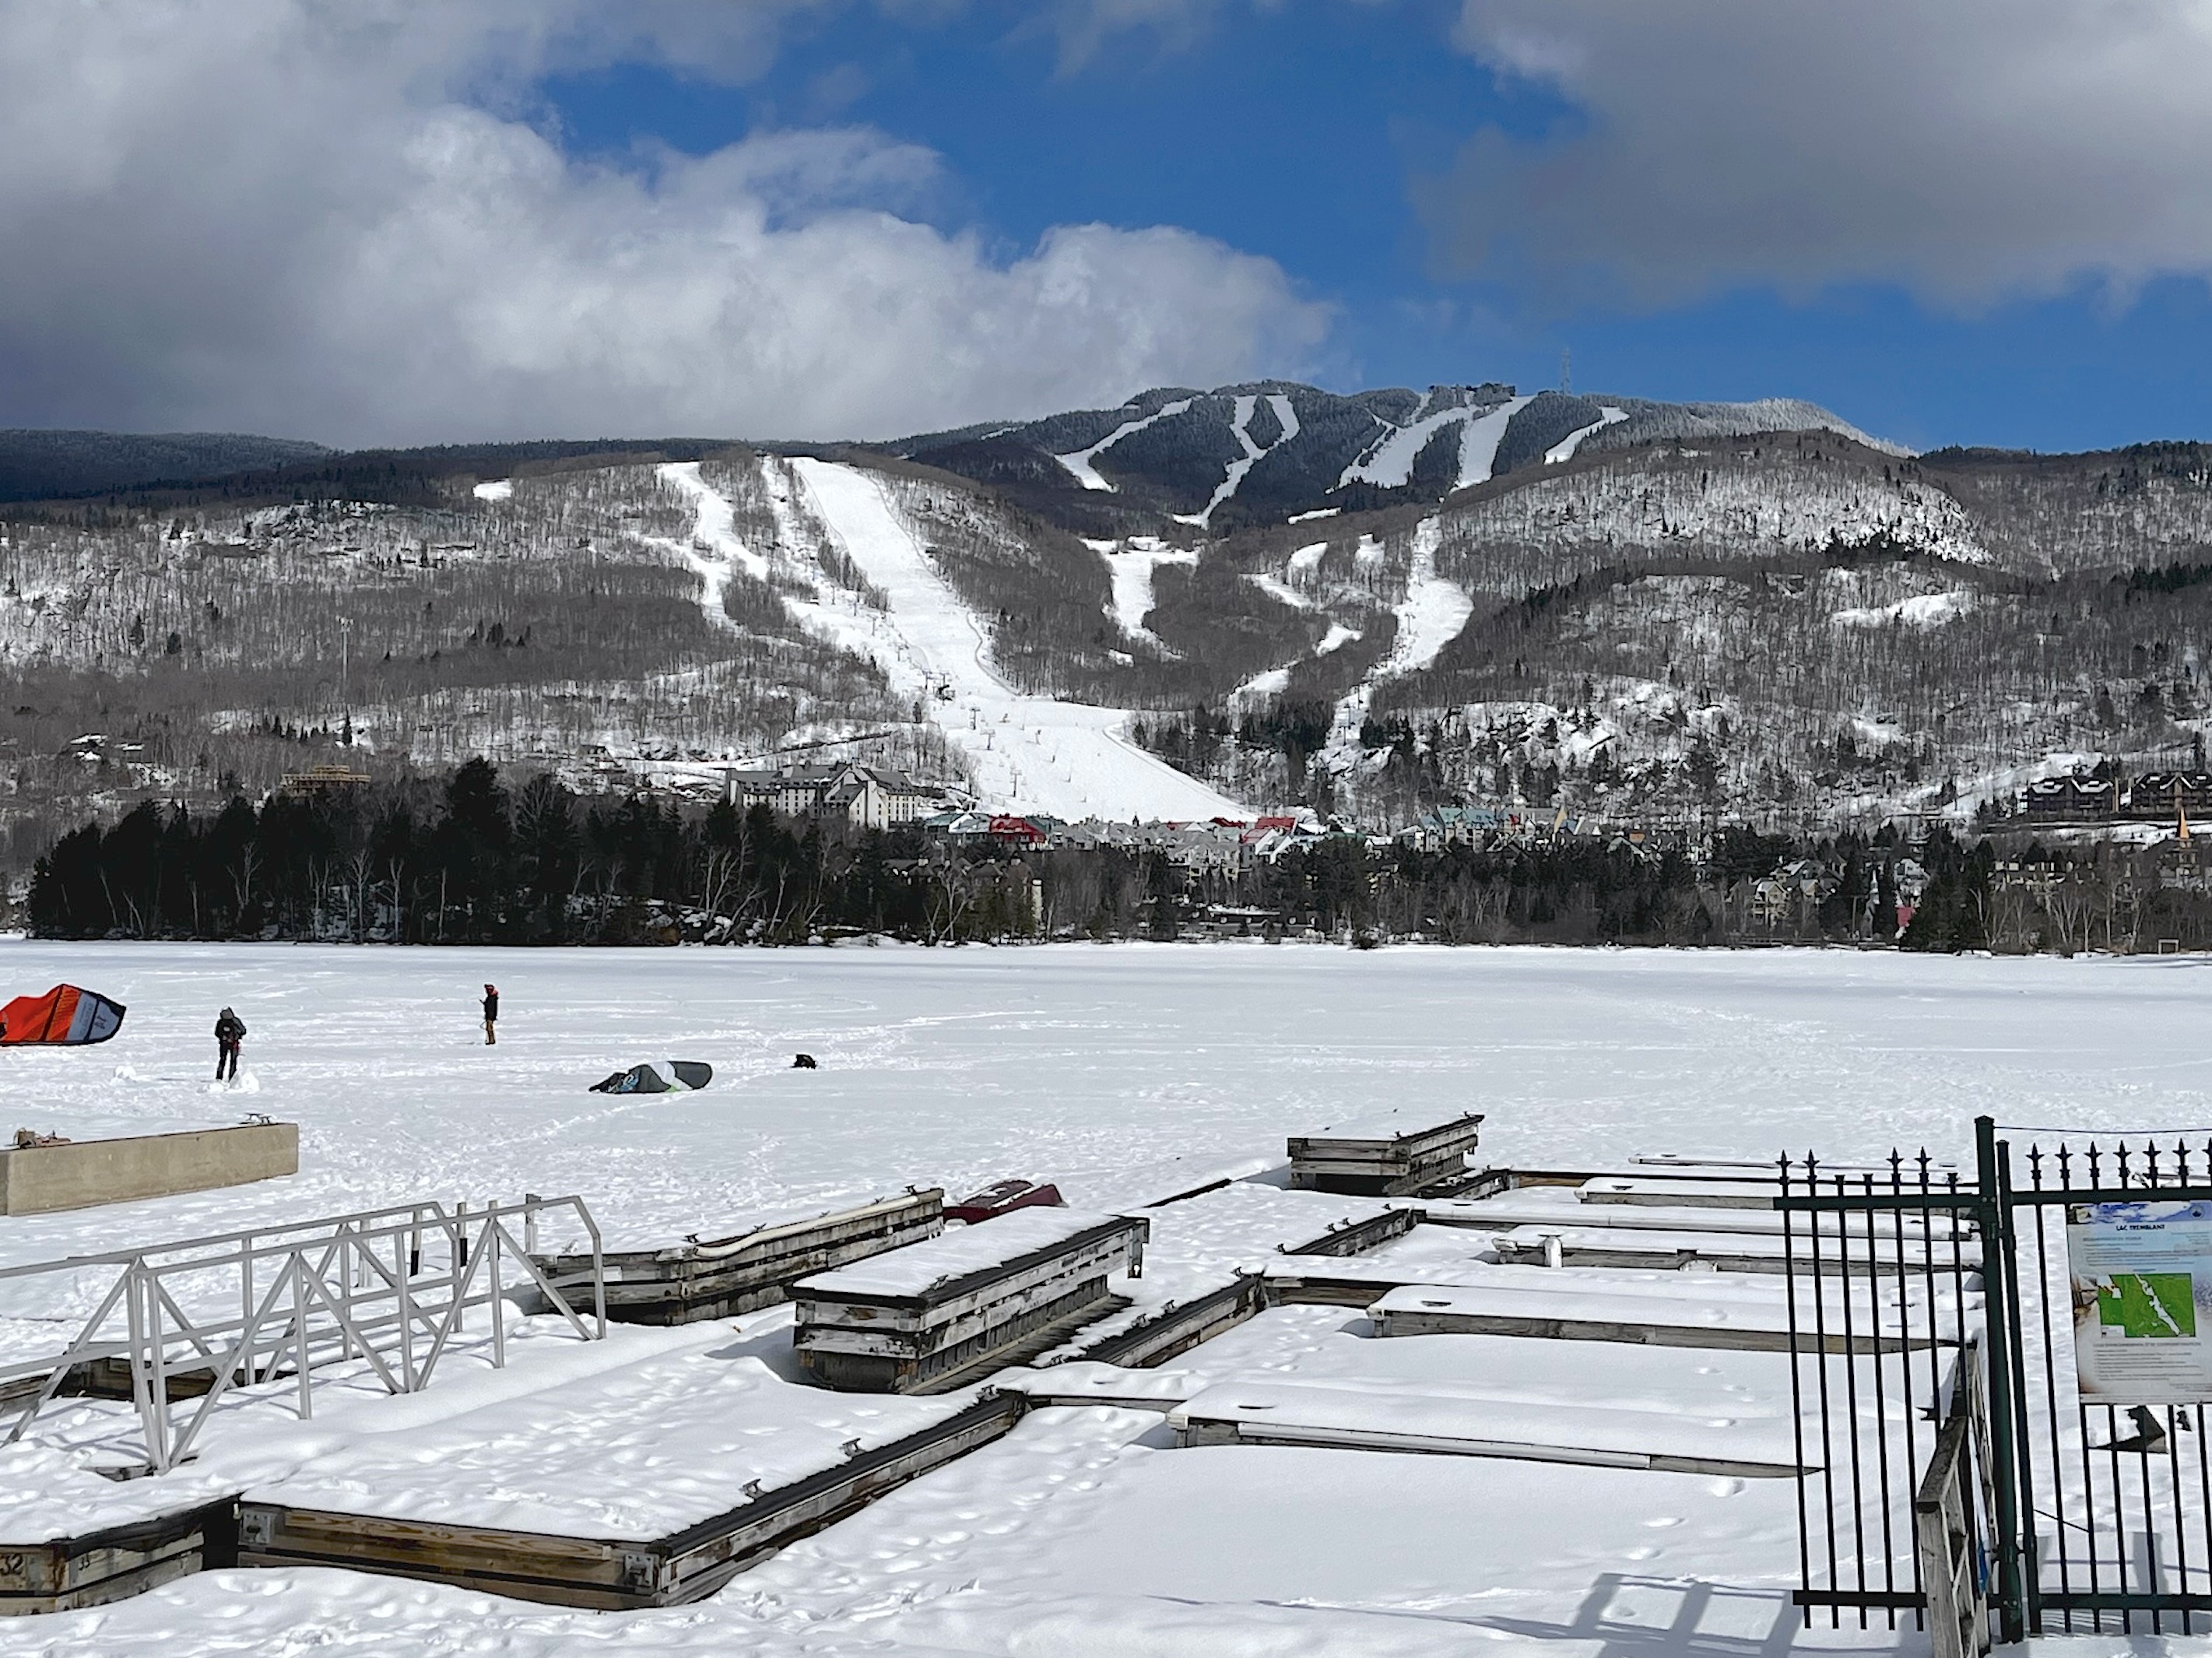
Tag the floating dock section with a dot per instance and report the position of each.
(1285, 1413)
(1383, 1161)
(720, 1278)
(925, 1318)
(613, 1574)
(1718, 1251)
(62, 1574)
(39, 1179)
(1649, 1320)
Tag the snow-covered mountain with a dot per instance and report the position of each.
(1275, 450)
(1203, 603)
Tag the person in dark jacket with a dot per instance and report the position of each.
(229, 1035)
(491, 1014)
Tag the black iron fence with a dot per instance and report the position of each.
(1965, 1459)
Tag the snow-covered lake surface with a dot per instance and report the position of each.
(1123, 1073)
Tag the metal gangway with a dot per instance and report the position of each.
(183, 1323)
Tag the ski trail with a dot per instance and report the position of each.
(1281, 591)
(714, 525)
(1430, 615)
(1239, 465)
(1389, 463)
(1029, 753)
(1565, 447)
(1131, 570)
(1079, 463)
(1480, 438)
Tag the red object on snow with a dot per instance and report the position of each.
(65, 1014)
(993, 1200)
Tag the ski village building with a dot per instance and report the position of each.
(866, 796)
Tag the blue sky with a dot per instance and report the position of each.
(1297, 132)
(416, 220)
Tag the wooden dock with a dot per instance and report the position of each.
(718, 1278)
(1383, 1162)
(1719, 1251)
(606, 1573)
(932, 1315)
(1425, 1310)
(1357, 1237)
(1287, 1413)
(1177, 1328)
(63, 1574)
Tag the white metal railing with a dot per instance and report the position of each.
(388, 1287)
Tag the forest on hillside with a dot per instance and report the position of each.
(471, 858)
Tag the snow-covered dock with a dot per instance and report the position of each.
(924, 1318)
(716, 1277)
(1552, 1312)
(1384, 1159)
(674, 1567)
(1719, 1250)
(105, 1563)
(1564, 1206)
(1376, 1419)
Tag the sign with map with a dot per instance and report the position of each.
(2142, 1302)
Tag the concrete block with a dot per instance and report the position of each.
(38, 1179)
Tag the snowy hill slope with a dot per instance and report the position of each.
(1031, 753)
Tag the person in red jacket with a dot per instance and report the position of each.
(491, 1014)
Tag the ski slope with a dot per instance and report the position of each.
(714, 550)
(1233, 478)
(1027, 753)
(1563, 450)
(1081, 462)
(1480, 438)
(1430, 616)
(1130, 567)
(1390, 463)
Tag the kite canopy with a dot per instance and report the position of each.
(685, 1075)
(63, 1014)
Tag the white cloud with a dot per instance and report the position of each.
(326, 217)
(1974, 149)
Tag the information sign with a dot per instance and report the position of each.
(2142, 1302)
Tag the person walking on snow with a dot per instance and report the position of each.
(230, 1034)
(491, 1014)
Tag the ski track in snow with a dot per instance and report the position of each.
(1563, 450)
(1080, 463)
(1031, 753)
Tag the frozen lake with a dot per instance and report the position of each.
(1122, 1072)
